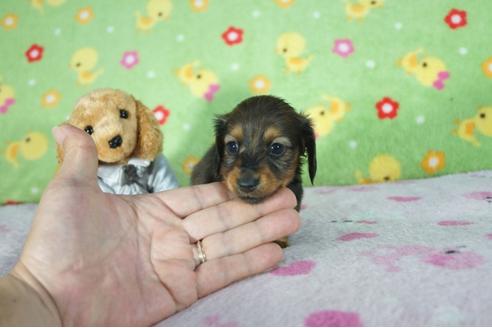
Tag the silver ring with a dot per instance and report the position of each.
(202, 258)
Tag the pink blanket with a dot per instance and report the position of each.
(412, 253)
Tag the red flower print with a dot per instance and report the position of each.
(456, 18)
(233, 36)
(161, 114)
(387, 108)
(35, 53)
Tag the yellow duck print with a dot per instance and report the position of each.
(291, 47)
(203, 83)
(7, 97)
(84, 62)
(325, 115)
(284, 3)
(39, 4)
(32, 147)
(481, 122)
(383, 168)
(361, 8)
(429, 71)
(157, 11)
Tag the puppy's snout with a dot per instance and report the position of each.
(247, 182)
(115, 142)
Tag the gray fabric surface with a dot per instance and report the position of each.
(407, 253)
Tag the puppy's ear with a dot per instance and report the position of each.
(309, 141)
(149, 136)
(220, 131)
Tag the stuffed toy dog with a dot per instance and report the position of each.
(128, 142)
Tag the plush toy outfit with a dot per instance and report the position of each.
(139, 176)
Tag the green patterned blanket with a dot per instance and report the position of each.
(396, 89)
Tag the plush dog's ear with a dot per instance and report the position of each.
(309, 141)
(220, 131)
(149, 136)
(59, 150)
(59, 154)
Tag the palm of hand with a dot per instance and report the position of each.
(104, 259)
(104, 248)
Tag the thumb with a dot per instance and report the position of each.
(79, 153)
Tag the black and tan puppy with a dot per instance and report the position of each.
(259, 148)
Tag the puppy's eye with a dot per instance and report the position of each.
(277, 149)
(89, 129)
(123, 113)
(232, 147)
(482, 115)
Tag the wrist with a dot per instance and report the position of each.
(23, 303)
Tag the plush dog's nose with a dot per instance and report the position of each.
(115, 142)
(247, 183)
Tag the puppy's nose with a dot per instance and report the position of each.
(115, 142)
(248, 183)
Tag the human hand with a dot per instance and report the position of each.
(101, 259)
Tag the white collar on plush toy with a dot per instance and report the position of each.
(107, 170)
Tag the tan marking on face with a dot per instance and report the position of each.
(270, 134)
(237, 132)
(268, 182)
(282, 140)
(231, 179)
(229, 138)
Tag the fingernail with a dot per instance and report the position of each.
(59, 133)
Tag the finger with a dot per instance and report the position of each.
(184, 201)
(79, 153)
(236, 212)
(266, 229)
(217, 274)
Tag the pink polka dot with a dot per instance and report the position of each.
(215, 321)
(333, 319)
(326, 190)
(362, 189)
(295, 268)
(448, 223)
(480, 195)
(367, 222)
(4, 228)
(404, 199)
(455, 261)
(489, 236)
(357, 235)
